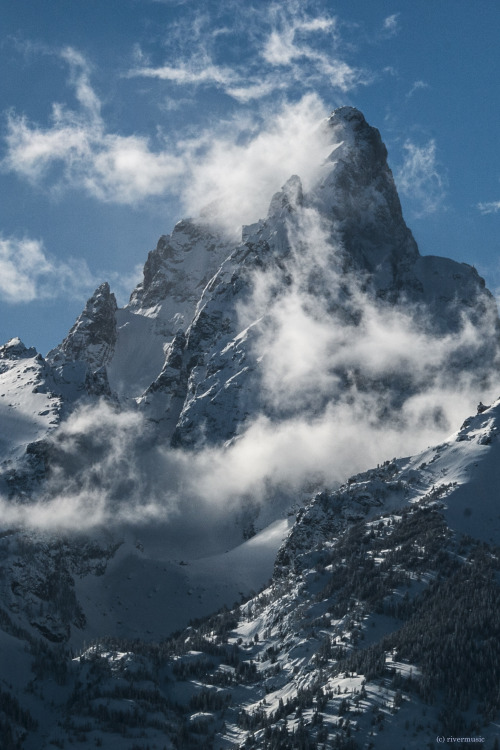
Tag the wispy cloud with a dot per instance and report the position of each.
(27, 273)
(296, 43)
(391, 24)
(282, 46)
(247, 92)
(196, 72)
(417, 86)
(309, 50)
(419, 178)
(491, 207)
(238, 163)
(77, 151)
(80, 79)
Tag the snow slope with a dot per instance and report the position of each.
(27, 408)
(146, 594)
(375, 630)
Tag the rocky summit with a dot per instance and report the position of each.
(205, 539)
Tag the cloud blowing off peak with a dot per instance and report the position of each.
(246, 155)
(324, 343)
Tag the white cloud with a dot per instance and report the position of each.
(417, 86)
(121, 169)
(80, 79)
(419, 178)
(240, 172)
(240, 162)
(196, 73)
(296, 41)
(489, 208)
(283, 45)
(306, 61)
(391, 24)
(249, 90)
(27, 273)
(126, 170)
(110, 167)
(280, 49)
(341, 75)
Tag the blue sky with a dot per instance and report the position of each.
(119, 118)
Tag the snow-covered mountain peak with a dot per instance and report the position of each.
(16, 349)
(176, 272)
(93, 336)
(357, 193)
(348, 115)
(289, 197)
(349, 125)
(349, 226)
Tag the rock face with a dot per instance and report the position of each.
(358, 195)
(176, 273)
(93, 337)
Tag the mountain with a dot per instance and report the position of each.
(159, 464)
(187, 346)
(324, 308)
(378, 629)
